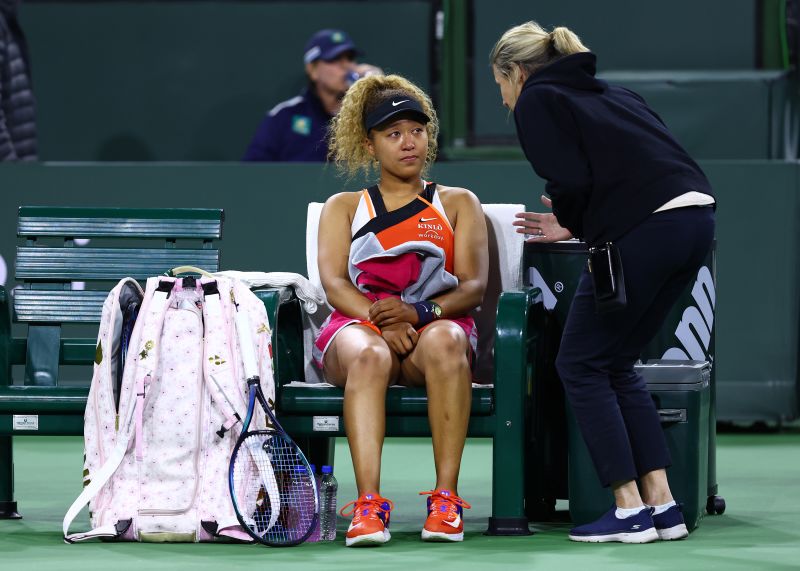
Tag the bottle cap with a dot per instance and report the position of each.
(327, 469)
(313, 468)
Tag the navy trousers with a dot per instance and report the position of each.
(615, 412)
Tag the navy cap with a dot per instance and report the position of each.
(392, 108)
(328, 45)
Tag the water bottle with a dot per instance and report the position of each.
(327, 511)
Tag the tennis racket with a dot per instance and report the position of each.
(271, 483)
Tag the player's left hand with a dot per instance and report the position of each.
(391, 310)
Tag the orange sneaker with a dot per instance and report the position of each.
(370, 525)
(444, 521)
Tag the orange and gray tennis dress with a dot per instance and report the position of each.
(405, 253)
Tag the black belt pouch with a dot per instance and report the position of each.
(605, 267)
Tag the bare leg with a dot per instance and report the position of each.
(655, 488)
(439, 361)
(361, 362)
(626, 495)
(655, 491)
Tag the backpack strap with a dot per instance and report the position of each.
(98, 481)
(152, 322)
(220, 366)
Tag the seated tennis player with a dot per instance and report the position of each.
(402, 263)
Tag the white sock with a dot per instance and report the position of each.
(623, 513)
(662, 508)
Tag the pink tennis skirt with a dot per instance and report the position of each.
(338, 321)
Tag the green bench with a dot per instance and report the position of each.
(49, 306)
(313, 415)
(62, 286)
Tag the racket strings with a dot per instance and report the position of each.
(274, 491)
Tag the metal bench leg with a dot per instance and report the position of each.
(508, 450)
(8, 507)
(508, 467)
(508, 488)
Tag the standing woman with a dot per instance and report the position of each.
(615, 175)
(402, 263)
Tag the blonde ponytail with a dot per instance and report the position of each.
(529, 46)
(566, 42)
(346, 133)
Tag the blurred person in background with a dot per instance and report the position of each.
(17, 110)
(296, 129)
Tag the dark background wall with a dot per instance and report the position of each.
(758, 233)
(190, 80)
(626, 34)
(174, 81)
(695, 63)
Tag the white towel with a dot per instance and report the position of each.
(505, 274)
(315, 309)
(308, 293)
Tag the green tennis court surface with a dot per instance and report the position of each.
(759, 476)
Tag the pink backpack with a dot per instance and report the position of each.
(159, 431)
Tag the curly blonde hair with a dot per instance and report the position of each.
(347, 134)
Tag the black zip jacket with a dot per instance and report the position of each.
(608, 159)
(17, 108)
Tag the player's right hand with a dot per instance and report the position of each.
(400, 337)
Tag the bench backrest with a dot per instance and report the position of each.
(72, 256)
(505, 272)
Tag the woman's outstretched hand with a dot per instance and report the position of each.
(541, 227)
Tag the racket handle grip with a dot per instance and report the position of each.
(246, 345)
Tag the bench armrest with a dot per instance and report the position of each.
(284, 313)
(43, 400)
(514, 345)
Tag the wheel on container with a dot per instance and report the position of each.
(715, 505)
